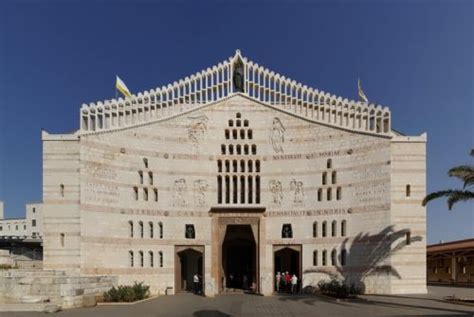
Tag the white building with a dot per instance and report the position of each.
(236, 171)
(22, 228)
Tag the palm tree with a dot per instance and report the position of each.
(466, 174)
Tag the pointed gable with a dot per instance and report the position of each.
(237, 75)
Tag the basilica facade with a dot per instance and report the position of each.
(236, 173)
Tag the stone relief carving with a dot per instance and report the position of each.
(200, 187)
(197, 128)
(297, 187)
(277, 135)
(180, 192)
(276, 190)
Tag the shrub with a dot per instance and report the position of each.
(127, 293)
(338, 288)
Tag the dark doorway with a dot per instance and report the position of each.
(189, 262)
(287, 259)
(239, 259)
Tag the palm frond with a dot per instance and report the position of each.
(463, 172)
(435, 195)
(459, 195)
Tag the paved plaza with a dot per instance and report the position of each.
(285, 305)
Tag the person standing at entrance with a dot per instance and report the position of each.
(196, 283)
(277, 282)
(294, 283)
(287, 282)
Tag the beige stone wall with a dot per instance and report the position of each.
(407, 213)
(61, 217)
(182, 154)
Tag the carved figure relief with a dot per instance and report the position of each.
(180, 192)
(197, 129)
(297, 187)
(238, 76)
(277, 135)
(276, 190)
(200, 187)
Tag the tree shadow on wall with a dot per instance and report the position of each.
(366, 256)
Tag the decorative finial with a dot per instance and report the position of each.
(237, 52)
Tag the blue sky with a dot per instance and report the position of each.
(414, 56)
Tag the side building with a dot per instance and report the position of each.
(30, 227)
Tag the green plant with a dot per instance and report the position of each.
(127, 293)
(141, 291)
(337, 288)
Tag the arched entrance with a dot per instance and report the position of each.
(239, 258)
(287, 258)
(188, 262)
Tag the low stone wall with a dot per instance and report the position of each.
(56, 286)
(5, 258)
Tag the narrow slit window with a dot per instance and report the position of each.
(250, 134)
(140, 225)
(150, 178)
(61, 190)
(155, 194)
(160, 228)
(338, 193)
(315, 258)
(315, 229)
(324, 229)
(320, 194)
(130, 226)
(329, 163)
(150, 256)
(140, 177)
(408, 190)
(324, 178)
(334, 177)
(219, 189)
(329, 194)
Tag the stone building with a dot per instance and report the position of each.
(236, 171)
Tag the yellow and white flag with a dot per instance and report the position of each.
(362, 96)
(120, 86)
